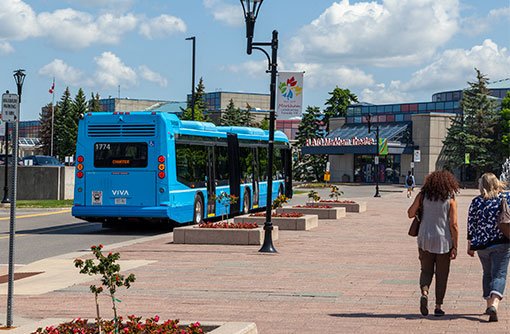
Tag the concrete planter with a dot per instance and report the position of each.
(303, 223)
(349, 207)
(321, 213)
(217, 326)
(220, 236)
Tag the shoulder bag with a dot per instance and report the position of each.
(415, 224)
(504, 217)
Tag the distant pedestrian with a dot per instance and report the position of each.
(410, 184)
(486, 238)
(438, 234)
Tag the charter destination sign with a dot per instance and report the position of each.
(354, 141)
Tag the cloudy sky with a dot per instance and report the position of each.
(384, 51)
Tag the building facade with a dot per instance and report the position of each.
(414, 133)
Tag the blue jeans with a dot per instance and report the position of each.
(494, 261)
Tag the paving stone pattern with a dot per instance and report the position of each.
(355, 275)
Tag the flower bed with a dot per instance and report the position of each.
(134, 325)
(228, 225)
(278, 215)
(321, 211)
(350, 206)
(285, 221)
(221, 236)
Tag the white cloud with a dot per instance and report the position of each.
(17, 20)
(71, 29)
(321, 76)
(453, 68)
(6, 48)
(382, 94)
(111, 71)
(500, 12)
(149, 75)
(393, 33)
(162, 26)
(251, 68)
(64, 74)
(231, 15)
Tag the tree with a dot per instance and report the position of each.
(504, 127)
(45, 131)
(200, 105)
(62, 133)
(232, 115)
(94, 104)
(264, 124)
(473, 132)
(336, 105)
(310, 167)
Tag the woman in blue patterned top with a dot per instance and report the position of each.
(486, 238)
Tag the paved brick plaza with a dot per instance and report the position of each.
(358, 274)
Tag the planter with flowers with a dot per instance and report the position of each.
(285, 221)
(111, 279)
(322, 211)
(222, 233)
(349, 205)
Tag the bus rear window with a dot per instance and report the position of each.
(120, 155)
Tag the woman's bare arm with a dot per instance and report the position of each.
(454, 227)
(411, 212)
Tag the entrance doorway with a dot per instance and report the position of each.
(388, 171)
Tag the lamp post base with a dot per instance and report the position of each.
(377, 191)
(267, 246)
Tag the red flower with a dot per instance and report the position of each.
(156, 318)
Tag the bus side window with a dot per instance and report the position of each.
(191, 164)
(262, 163)
(222, 175)
(246, 157)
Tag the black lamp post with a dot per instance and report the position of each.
(193, 39)
(19, 77)
(251, 10)
(369, 117)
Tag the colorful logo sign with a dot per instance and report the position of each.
(289, 97)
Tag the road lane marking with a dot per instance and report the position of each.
(38, 214)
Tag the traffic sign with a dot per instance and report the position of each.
(10, 107)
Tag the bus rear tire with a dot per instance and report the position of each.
(246, 202)
(198, 210)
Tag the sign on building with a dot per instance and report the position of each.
(10, 107)
(289, 95)
(417, 156)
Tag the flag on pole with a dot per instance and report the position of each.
(52, 89)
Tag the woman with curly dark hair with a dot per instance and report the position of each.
(438, 235)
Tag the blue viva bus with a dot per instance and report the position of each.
(151, 166)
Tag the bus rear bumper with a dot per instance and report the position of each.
(103, 213)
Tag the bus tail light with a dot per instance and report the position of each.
(161, 175)
(161, 159)
(161, 166)
(79, 174)
(80, 159)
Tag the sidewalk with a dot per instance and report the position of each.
(358, 274)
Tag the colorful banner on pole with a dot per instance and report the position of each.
(383, 146)
(289, 95)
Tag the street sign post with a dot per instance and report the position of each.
(10, 107)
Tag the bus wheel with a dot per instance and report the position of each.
(198, 210)
(246, 202)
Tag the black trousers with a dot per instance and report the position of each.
(431, 264)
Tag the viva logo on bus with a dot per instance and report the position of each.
(120, 193)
